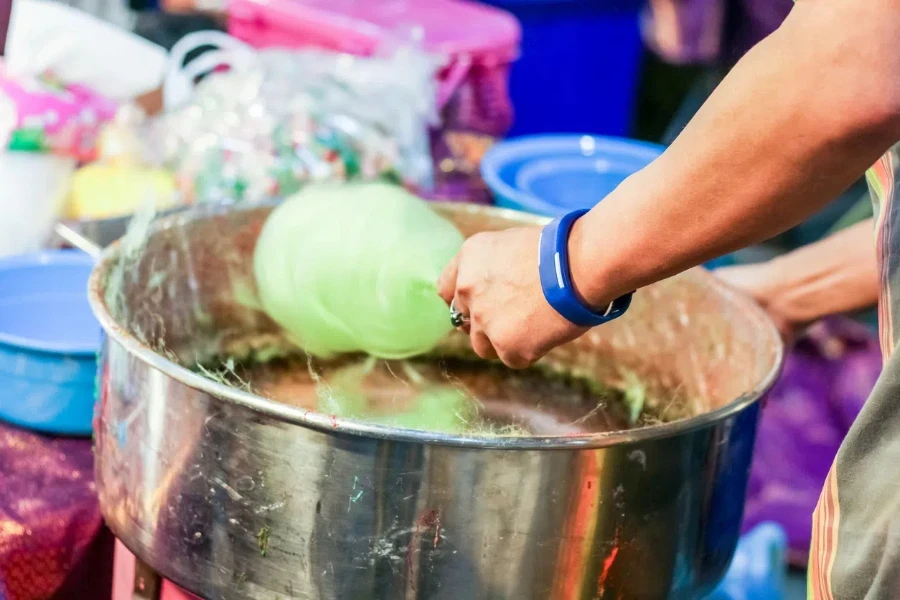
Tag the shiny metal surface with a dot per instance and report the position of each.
(76, 240)
(233, 496)
(101, 232)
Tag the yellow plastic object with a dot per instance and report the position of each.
(101, 191)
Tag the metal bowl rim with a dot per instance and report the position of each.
(329, 423)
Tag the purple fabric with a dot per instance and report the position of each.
(828, 376)
(755, 20)
(52, 540)
(710, 31)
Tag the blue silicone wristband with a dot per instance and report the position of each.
(556, 279)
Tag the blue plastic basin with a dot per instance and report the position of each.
(759, 566)
(552, 175)
(49, 341)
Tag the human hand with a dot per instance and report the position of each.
(494, 280)
(761, 282)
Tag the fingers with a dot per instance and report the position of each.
(446, 285)
(755, 280)
(481, 344)
(735, 276)
(459, 296)
(460, 304)
(515, 360)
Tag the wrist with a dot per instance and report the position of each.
(611, 249)
(554, 267)
(591, 272)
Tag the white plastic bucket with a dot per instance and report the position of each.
(33, 188)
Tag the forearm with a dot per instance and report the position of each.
(797, 121)
(836, 275)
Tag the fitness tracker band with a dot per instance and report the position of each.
(556, 278)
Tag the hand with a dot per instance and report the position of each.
(760, 282)
(494, 280)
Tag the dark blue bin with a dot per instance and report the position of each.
(579, 66)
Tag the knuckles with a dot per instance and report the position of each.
(513, 354)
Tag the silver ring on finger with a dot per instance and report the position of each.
(457, 318)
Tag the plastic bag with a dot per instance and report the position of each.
(277, 119)
(79, 48)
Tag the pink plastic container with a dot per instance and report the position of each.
(479, 44)
(50, 116)
(124, 583)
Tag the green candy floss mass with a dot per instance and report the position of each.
(437, 408)
(353, 268)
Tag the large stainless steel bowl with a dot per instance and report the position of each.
(231, 495)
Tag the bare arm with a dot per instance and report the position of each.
(797, 121)
(794, 124)
(836, 275)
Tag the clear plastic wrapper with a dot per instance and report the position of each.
(277, 119)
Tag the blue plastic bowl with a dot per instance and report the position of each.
(552, 175)
(49, 341)
(758, 568)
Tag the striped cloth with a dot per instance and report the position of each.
(855, 542)
(855, 550)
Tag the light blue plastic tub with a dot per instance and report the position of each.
(759, 566)
(49, 341)
(553, 174)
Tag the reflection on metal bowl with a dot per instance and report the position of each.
(232, 495)
(103, 232)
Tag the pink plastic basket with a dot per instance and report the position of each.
(478, 42)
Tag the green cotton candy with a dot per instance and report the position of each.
(436, 408)
(353, 268)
